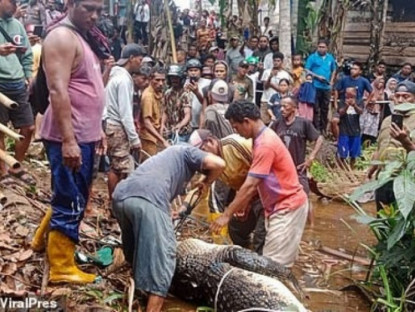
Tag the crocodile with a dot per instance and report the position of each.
(232, 279)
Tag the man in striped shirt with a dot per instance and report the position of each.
(237, 153)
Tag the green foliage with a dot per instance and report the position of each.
(10, 144)
(394, 229)
(319, 172)
(365, 160)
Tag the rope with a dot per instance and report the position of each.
(219, 286)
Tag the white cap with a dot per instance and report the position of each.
(220, 91)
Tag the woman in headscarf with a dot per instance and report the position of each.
(390, 93)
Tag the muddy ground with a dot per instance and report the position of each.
(322, 275)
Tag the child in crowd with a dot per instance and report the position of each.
(369, 124)
(297, 72)
(307, 98)
(349, 144)
(274, 104)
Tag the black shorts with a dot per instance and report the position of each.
(20, 117)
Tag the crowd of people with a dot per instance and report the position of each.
(227, 109)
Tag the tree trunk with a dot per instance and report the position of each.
(294, 19)
(300, 44)
(377, 26)
(285, 32)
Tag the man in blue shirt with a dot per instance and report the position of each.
(322, 66)
(355, 80)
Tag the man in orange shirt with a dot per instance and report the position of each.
(151, 113)
(273, 175)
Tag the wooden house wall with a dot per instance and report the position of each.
(398, 42)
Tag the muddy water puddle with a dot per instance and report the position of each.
(323, 275)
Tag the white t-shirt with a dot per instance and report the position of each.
(266, 95)
(269, 61)
(254, 77)
(142, 13)
(196, 105)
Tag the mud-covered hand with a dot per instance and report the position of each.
(217, 225)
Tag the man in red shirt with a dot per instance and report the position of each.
(273, 175)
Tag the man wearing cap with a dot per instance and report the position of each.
(152, 103)
(212, 116)
(391, 138)
(236, 151)
(243, 85)
(177, 112)
(195, 84)
(214, 51)
(234, 55)
(118, 115)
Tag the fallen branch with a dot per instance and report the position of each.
(321, 290)
(9, 160)
(6, 102)
(9, 132)
(340, 254)
(45, 278)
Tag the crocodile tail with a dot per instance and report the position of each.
(248, 260)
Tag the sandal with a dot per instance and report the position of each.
(23, 176)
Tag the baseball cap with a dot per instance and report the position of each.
(235, 38)
(406, 86)
(220, 91)
(148, 59)
(243, 63)
(198, 137)
(131, 49)
(213, 49)
(252, 60)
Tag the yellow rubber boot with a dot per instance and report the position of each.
(39, 240)
(61, 251)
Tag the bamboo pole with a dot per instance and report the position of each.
(9, 132)
(169, 22)
(5, 101)
(9, 160)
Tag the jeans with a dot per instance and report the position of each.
(140, 32)
(70, 188)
